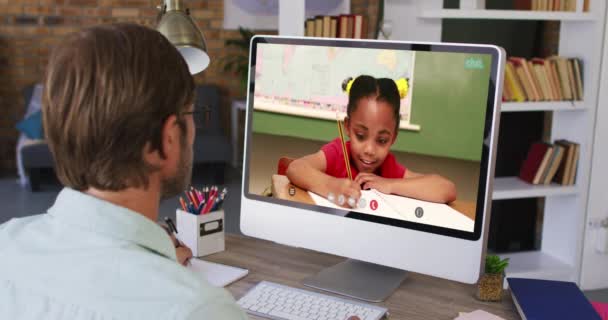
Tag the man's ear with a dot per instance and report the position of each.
(169, 145)
(170, 136)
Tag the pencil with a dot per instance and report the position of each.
(344, 150)
(181, 201)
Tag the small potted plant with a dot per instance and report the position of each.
(489, 287)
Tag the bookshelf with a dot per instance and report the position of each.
(292, 15)
(564, 216)
(514, 188)
(565, 207)
(507, 15)
(543, 106)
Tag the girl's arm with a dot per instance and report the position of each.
(427, 187)
(308, 173)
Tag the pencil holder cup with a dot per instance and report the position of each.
(203, 234)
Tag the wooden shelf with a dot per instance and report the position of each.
(538, 265)
(514, 188)
(507, 15)
(542, 106)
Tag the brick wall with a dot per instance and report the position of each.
(30, 28)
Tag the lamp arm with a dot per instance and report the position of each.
(171, 5)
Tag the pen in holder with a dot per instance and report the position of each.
(203, 234)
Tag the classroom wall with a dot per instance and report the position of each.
(448, 101)
(267, 149)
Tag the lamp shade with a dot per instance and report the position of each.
(177, 26)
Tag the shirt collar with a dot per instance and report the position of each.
(81, 210)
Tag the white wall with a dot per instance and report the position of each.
(594, 264)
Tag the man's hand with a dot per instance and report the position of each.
(182, 252)
(372, 181)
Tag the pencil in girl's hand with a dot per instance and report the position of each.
(344, 150)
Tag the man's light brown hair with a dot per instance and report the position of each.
(108, 89)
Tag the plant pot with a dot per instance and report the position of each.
(489, 287)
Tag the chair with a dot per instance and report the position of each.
(211, 146)
(283, 164)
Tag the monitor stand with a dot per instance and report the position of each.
(358, 279)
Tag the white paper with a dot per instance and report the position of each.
(218, 275)
(477, 315)
(403, 208)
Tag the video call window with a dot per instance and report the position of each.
(390, 134)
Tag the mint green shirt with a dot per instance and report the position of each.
(90, 259)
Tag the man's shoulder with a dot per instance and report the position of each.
(15, 226)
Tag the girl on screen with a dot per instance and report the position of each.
(371, 125)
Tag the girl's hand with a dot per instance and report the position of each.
(345, 187)
(372, 181)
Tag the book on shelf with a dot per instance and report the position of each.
(353, 26)
(342, 26)
(309, 29)
(551, 79)
(546, 163)
(549, 5)
(537, 157)
(318, 26)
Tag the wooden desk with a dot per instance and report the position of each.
(280, 189)
(419, 297)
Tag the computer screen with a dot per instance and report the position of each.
(442, 96)
(385, 133)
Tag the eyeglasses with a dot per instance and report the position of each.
(201, 117)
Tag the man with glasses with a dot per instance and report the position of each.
(118, 117)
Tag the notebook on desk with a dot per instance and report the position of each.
(547, 299)
(218, 275)
(403, 208)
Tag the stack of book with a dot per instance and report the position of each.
(548, 163)
(352, 26)
(552, 79)
(549, 5)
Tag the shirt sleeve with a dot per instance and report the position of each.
(332, 153)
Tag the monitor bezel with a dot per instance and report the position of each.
(492, 106)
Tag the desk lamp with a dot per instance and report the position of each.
(177, 26)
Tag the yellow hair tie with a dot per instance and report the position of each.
(402, 87)
(349, 85)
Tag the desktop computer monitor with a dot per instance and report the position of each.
(408, 189)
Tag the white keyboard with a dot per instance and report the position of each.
(275, 301)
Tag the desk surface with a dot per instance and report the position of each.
(280, 189)
(419, 297)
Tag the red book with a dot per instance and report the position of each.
(522, 4)
(533, 161)
(343, 26)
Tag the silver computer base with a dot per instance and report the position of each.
(358, 279)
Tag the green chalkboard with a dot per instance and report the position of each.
(448, 101)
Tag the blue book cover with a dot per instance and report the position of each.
(546, 299)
